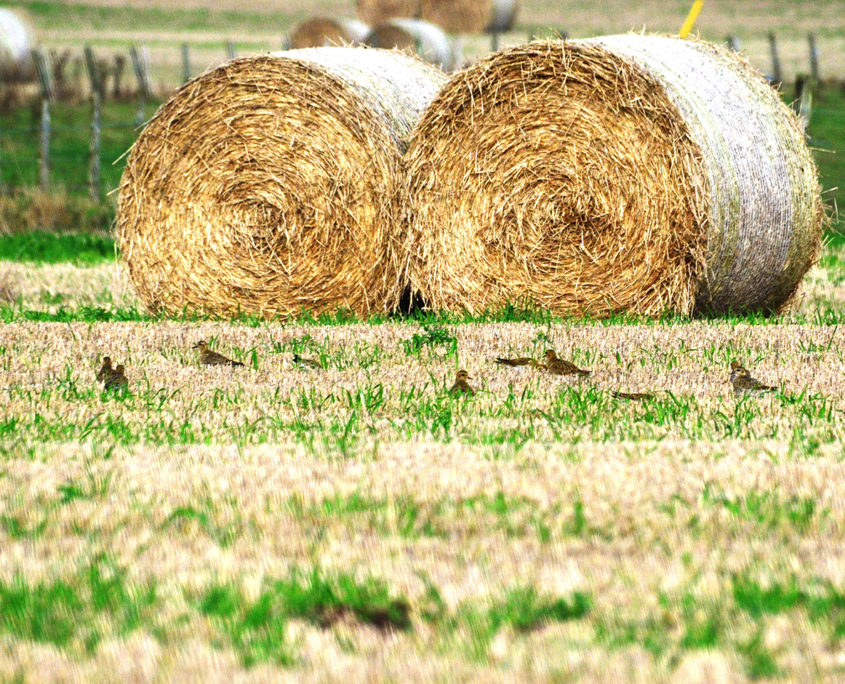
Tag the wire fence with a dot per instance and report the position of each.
(70, 133)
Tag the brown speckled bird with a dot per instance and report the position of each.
(461, 385)
(743, 383)
(558, 366)
(105, 369)
(311, 363)
(212, 358)
(636, 396)
(116, 378)
(521, 361)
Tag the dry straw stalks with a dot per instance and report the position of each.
(266, 185)
(630, 173)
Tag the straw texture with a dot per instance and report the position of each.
(413, 35)
(377, 11)
(629, 173)
(265, 185)
(324, 31)
(470, 16)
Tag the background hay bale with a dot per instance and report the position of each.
(632, 173)
(324, 31)
(265, 185)
(470, 16)
(17, 39)
(377, 11)
(420, 37)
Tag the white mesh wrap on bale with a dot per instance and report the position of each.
(16, 42)
(764, 205)
(421, 37)
(634, 173)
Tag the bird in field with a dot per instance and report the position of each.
(558, 366)
(105, 369)
(311, 363)
(116, 378)
(743, 383)
(212, 358)
(521, 361)
(461, 385)
(634, 396)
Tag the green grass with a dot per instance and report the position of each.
(827, 137)
(69, 612)
(104, 18)
(19, 136)
(257, 628)
(11, 313)
(50, 248)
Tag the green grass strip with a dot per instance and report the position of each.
(54, 248)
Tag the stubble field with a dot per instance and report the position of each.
(357, 521)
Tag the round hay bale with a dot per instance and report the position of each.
(377, 11)
(634, 173)
(265, 186)
(320, 31)
(470, 16)
(17, 39)
(420, 37)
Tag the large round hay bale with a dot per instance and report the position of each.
(17, 39)
(470, 16)
(377, 11)
(426, 40)
(320, 31)
(265, 185)
(632, 173)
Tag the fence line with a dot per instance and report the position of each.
(51, 81)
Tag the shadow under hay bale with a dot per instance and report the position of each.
(377, 11)
(420, 37)
(324, 31)
(17, 39)
(470, 16)
(634, 173)
(266, 185)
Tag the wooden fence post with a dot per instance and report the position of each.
(186, 63)
(119, 65)
(141, 65)
(97, 87)
(46, 81)
(814, 56)
(773, 50)
(231, 53)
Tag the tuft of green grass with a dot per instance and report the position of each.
(436, 339)
(257, 629)
(65, 612)
(524, 609)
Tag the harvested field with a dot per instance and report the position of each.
(537, 530)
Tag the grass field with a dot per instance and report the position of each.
(357, 522)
